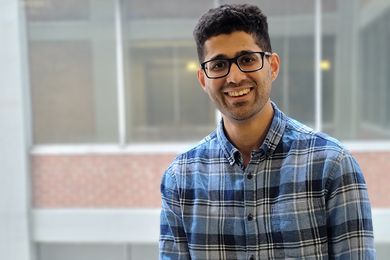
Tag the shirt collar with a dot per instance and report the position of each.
(270, 143)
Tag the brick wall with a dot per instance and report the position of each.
(98, 181)
(376, 169)
(133, 181)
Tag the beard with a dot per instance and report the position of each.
(243, 110)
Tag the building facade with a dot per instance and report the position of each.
(97, 97)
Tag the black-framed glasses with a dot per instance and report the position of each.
(248, 62)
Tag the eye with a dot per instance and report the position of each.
(248, 59)
(217, 65)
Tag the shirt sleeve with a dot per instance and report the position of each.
(350, 231)
(173, 242)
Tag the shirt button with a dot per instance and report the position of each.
(249, 176)
(252, 258)
(250, 217)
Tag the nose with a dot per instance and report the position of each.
(235, 74)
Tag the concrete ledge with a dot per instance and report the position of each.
(380, 219)
(164, 148)
(80, 149)
(96, 226)
(368, 146)
(129, 226)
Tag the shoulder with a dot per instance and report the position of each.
(321, 147)
(303, 141)
(205, 150)
(188, 167)
(301, 136)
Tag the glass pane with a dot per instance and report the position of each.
(282, 7)
(141, 251)
(167, 9)
(164, 99)
(295, 85)
(57, 10)
(62, 90)
(73, 71)
(359, 109)
(291, 28)
(374, 60)
(62, 251)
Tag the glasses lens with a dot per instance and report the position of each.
(217, 68)
(250, 61)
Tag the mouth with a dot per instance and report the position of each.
(239, 93)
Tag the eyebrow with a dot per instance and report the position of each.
(223, 56)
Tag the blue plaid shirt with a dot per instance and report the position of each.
(302, 196)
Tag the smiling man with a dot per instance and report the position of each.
(262, 185)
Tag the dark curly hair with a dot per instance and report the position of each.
(230, 18)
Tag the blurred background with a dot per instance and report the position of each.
(97, 97)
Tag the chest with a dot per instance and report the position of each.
(255, 207)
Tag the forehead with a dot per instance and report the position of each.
(230, 45)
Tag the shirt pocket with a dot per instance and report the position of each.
(299, 228)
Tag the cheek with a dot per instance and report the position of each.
(267, 77)
(213, 85)
(271, 76)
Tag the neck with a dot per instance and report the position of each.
(249, 135)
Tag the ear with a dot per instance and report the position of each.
(201, 78)
(275, 63)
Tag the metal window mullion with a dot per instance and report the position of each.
(176, 86)
(286, 69)
(120, 74)
(317, 64)
(381, 39)
(218, 114)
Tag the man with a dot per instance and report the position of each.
(262, 185)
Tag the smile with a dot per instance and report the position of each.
(239, 93)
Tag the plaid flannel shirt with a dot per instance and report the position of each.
(302, 196)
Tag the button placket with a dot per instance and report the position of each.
(250, 209)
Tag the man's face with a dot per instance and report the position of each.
(239, 95)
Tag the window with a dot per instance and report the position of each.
(74, 69)
(374, 64)
(164, 100)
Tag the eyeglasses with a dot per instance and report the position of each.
(247, 62)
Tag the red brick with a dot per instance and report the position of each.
(133, 181)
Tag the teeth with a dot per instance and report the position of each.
(239, 93)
